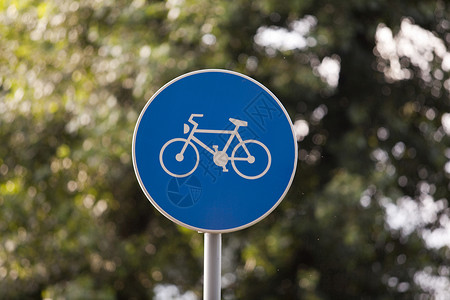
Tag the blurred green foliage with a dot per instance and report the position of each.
(370, 198)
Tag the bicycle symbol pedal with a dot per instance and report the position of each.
(245, 155)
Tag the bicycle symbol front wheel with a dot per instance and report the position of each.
(252, 158)
(175, 161)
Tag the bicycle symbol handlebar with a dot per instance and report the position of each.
(173, 152)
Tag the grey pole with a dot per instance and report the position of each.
(212, 266)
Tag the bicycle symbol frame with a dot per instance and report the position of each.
(220, 157)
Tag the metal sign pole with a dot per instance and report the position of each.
(212, 266)
(167, 156)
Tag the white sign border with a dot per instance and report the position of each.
(155, 204)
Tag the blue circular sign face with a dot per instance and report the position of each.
(214, 151)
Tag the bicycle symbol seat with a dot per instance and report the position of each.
(242, 158)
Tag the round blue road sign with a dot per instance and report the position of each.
(214, 151)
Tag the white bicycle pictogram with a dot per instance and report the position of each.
(220, 157)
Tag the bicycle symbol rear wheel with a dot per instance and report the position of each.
(174, 162)
(258, 153)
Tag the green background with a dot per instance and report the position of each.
(367, 216)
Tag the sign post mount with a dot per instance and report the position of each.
(214, 151)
